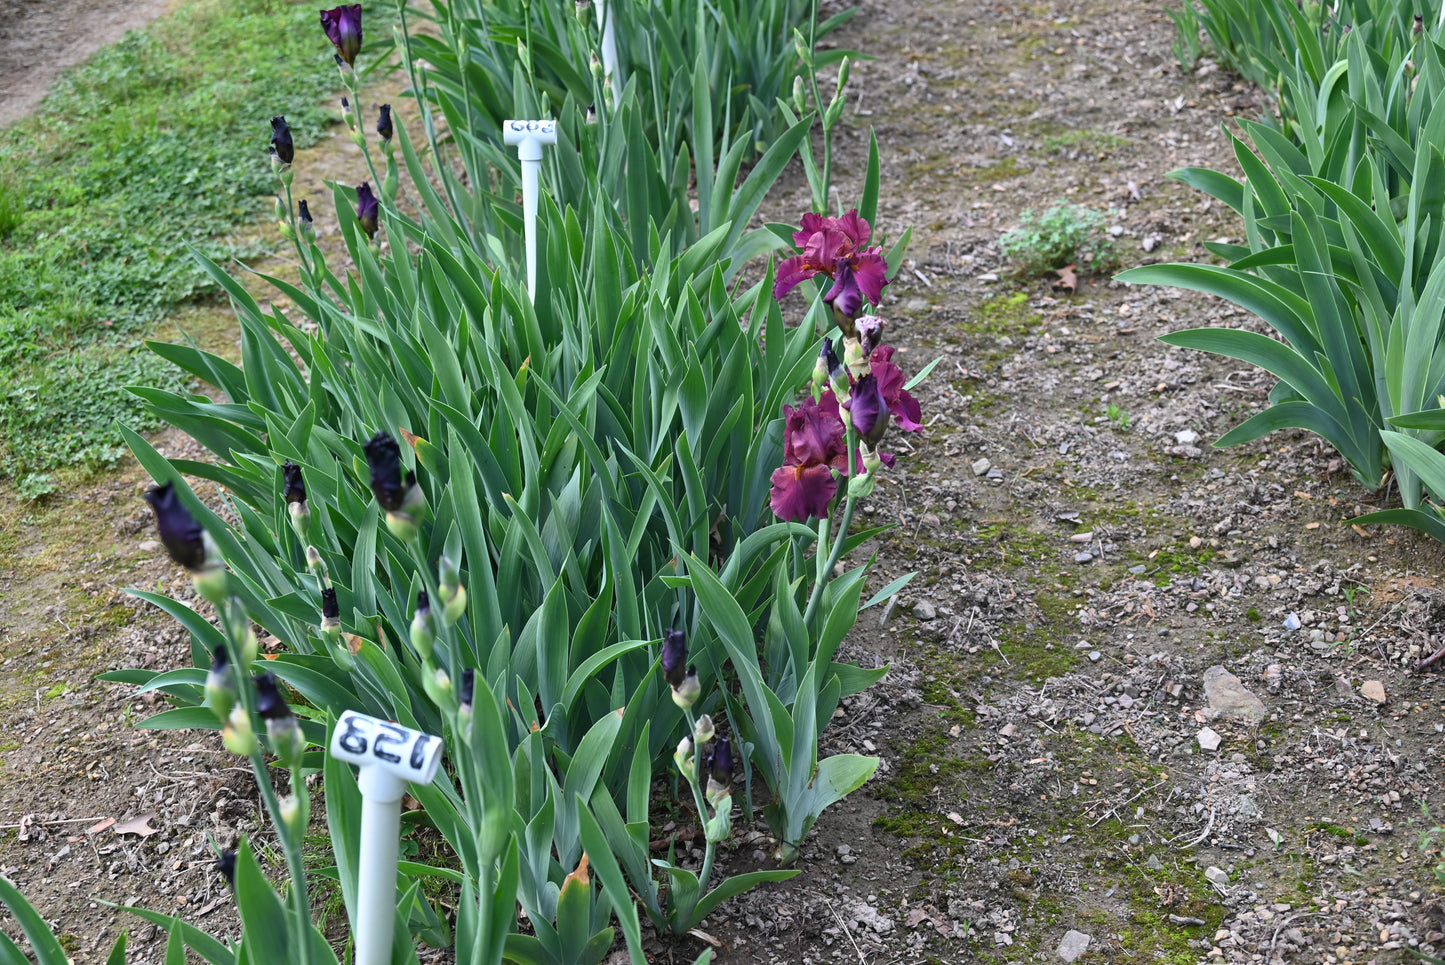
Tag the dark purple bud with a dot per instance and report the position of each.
(226, 865)
(366, 208)
(220, 662)
(305, 214)
(294, 490)
(468, 687)
(269, 702)
(870, 332)
(183, 537)
(329, 608)
(423, 602)
(281, 144)
(720, 764)
(383, 455)
(674, 656)
(868, 409)
(830, 360)
(846, 296)
(343, 28)
(383, 123)
(1419, 23)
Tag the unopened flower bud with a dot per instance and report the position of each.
(438, 686)
(225, 863)
(682, 757)
(703, 731)
(317, 566)
(583, 10)
(800, 95)
(455, 607)
(294, 816)
(843, 70)
(801, 48)
(422, 637)
(383, 123)
(220, 692)
(853, 358)
(674, 656)
(720, 772)
(870, 333)
(237, 734)
(303, 218)
(685, 694)
(330, 615)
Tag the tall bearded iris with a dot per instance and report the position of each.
(836, 247)
(343, 28)
(367, 208)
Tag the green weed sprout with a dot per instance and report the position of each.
(1062, 235)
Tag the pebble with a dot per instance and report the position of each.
(1217, 875)
(1209, 739)
(1228, 697)
(1374, 690)
(1083, 556)
(925, 611)
(1291, 622)
(1075, 943)
(1188, 437)
(980, 466)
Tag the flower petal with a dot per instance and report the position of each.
(871, 271)
(791, 272)
(855, 226)
(800, 492)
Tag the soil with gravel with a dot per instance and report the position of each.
(1149, 701)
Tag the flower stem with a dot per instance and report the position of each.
(825, 573)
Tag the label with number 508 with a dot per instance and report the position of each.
(366, 741)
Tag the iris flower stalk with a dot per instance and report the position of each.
(344, 29)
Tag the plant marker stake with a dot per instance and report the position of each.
(529, 136)
(609, 52)
(388, 757)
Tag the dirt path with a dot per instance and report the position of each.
(40, 38)
(1084, 556)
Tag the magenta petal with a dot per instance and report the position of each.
(871, 271)
(906, 410)
(800, 492)
(890, 385)
(855, 227)
(845, 296)
(791, 272)
(811, 436)
(811, 225)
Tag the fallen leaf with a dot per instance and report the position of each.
(1067, 280)
(100, 826)
(1360, 531)
(138, 825)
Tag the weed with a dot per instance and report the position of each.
(1064, 234)
(1115, 413)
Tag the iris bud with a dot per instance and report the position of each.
(704, 731)
(682, 757)
(800, 95)
(685, 694)
(330, 615)
(438, 686)
(220, 694)
(237, 734)
(282, 147)
(343, 29)
(455, 607)
(383, 123)
(674, 656)
(226, 864)
(303, 217)
(422, 637)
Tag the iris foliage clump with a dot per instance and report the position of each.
(563, 516)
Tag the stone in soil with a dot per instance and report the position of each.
(1075, 943)
(1228, 697)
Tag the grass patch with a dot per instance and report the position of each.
(156, 142)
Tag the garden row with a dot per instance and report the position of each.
(1343, 205)
(582, 535)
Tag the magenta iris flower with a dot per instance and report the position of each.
(828, 243)
(868, 409)
(904, 407)
(800, 492)
(343, 28)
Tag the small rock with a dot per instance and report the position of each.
(1217, 875)
(1195, 542)
(1153, 863)
(1125, 701)
(1228, 697)
(1209, 740)
(980, 466)
(1291, 622)
(1150, 243)
(1247, 808)
(1137, 569)
(916, 305)
(924, 611)
(1116, 230)
(1095, 656)
(1374, 690)
(1343, 687)
(988, 276)
(1083, 556)
(1075, 943)
(1188, 437)
(1008, 730)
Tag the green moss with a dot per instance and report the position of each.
(1006, 315)
(1088, 139)
(1334, 830)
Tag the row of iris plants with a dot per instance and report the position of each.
(1342, 204)
(595, 542)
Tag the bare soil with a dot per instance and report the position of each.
(1084, 556)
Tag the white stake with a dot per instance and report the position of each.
(529, 136)
(388, 756)
(609, 52)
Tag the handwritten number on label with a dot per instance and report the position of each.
(390, 735)
(418, 750)
(354, 738)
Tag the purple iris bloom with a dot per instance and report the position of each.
(800, 492)
(281, 144)
(270, 705)
(825, 243)
(674, 657)
(294, 490)
(383, 456)
(869, 409)
(366, 208)
(343, 28)
(904, 407)
(183, 537)
(846, 295)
